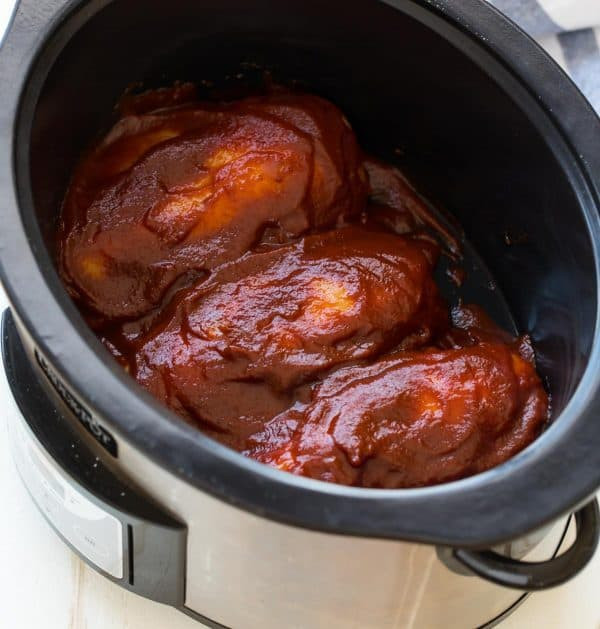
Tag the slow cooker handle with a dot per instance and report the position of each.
(540, 575)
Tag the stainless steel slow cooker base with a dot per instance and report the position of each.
(175, 549)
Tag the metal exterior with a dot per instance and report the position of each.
(98, 513)
(237, 569)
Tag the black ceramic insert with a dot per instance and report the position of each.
(482, 120)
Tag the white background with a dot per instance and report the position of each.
(43, 585)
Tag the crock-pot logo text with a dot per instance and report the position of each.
(83, 415)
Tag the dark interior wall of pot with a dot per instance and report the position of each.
(411, 96)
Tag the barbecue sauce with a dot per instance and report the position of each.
(250, 267)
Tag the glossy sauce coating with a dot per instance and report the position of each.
(280, 317)
(274, 287)
(183, 190)
(411, 419)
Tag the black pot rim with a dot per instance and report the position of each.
(560, 470)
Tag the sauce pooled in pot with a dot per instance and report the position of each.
(251, 268)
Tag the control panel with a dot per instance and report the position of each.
(92, 531)
(77, 484)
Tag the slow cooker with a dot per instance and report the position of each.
(484, 123)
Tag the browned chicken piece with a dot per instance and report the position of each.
(185, 189)
(412, 419)
(285, 315)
